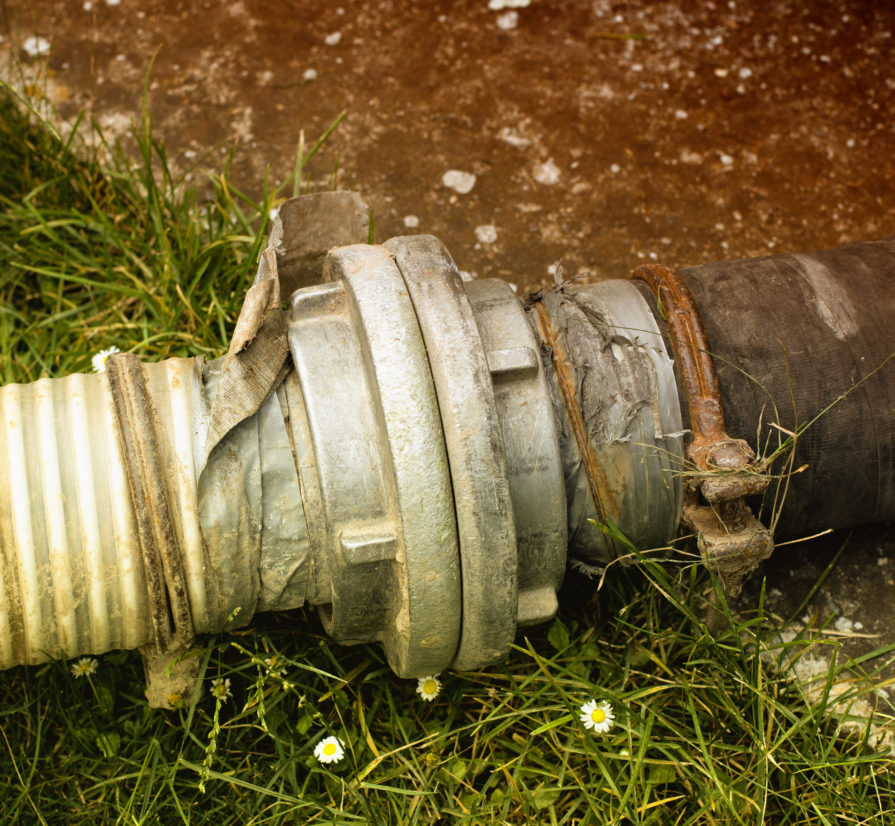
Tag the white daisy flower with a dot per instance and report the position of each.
(329, 750)
(276, 665)
(428, 687)
(99, 360)
(36, 46)
(85, 667)
(597, 716)
(220, 688)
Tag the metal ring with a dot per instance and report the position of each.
(475, 449)
(529, 432)
(423, 637)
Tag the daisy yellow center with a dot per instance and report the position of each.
(329, 749)
(598, 715)
(429, 686)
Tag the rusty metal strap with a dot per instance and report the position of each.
(165, 583)
(711, 448)
(596, 479)
(731, 539)
(697, 370)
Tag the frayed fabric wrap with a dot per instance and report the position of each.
(257, 360)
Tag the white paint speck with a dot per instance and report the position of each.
(745, 73)
(547, 173)
(333, 39)
(486, 233)
(411, 221)
(36, 46)
(681, 114)
(88, 6)
(113, 2)
(508, 21)
(461, 182)
(615, 169)
(309, 74)
(500, 5)
(725, 159)
(636, 67)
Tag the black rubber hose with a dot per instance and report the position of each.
(790, 336)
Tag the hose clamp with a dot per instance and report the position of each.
(724, 469)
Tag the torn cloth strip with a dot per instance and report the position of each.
(257, 360)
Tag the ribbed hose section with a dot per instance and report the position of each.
(72, 579)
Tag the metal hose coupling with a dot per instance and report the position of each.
(413, 454)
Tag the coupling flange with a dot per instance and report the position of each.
(475, 448)
(378, 464)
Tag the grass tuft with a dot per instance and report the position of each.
(120, 253)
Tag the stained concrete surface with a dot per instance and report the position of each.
(599, 134)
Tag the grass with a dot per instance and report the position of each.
(98, 250)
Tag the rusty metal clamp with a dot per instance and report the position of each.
(731, 540)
